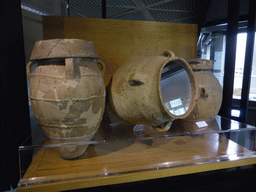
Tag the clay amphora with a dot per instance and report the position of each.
(209, 91)
(67, 92)
(136, 94)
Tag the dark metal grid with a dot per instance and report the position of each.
(74, 14)
(167, 16)
(85, 2)
(177, 11)
(114, 12)
(133, 16)
(177, 6)
(120, 3)
(152, 2)
(85, 10)
(46, 6)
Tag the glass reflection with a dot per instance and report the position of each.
(175, 88)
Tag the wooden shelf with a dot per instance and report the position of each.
(129, 161)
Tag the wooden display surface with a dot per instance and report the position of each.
(129, 161)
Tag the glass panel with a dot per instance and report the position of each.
(239, 66)
(175, 88)
(252, 95)
(235, 113)
(129, 149)
(218, 51)
(214, 48)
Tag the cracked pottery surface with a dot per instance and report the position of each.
(67, 92)
(135, 92)
(63, 48)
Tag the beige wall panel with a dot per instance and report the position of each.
(119, 41)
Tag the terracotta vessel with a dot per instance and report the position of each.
(136, 94)
(67, 92)
(209, 91)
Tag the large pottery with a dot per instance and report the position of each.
(209, 91)
(67, 92)
(153, 90)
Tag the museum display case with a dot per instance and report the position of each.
(121, 152)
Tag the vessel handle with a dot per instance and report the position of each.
(203, 93)
(29, 68)
(137, 79)
(165, 128)
(70, 71)
(102, 66)
(168, 54)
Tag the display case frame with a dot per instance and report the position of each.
(121, 153)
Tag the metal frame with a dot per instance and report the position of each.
(234, 25)
(229, 68)
(14, 106)
(248, 62)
